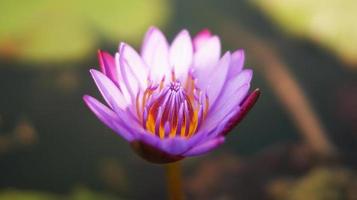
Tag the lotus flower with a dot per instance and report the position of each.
(172, 101)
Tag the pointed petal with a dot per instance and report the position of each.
(107, 116)
(207, 55)
(231, 86)
(107, 65)
(221, 111)
(201, 38)
(218, 78)
(133, 64)
(236, 63)
(205, 147)
(233, 117)
(155, 52)
(109, 90)
(127, 74)
(122, 85)
(244, 109)
(181, 53)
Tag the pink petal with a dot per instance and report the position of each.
(133, 64)
(201, 38)
(107, 65)
(181, 53)
(155, 52)
(205, 147)
(107, 116)
(236, 63)
(109, 90)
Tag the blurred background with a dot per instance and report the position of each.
(299, 141)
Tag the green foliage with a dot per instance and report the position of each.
(48, 31)
(321, 184)
(330, 23)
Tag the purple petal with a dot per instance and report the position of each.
(153, 154)
(237, 63)
(206, 57)
(231, 86)
(109, 90)
(133, 69)
(107, 65)
(205, 61)
(244, 109)
(232, 118)
(107, 116)
(218, 78)
(148, 138)
(201, 38)
(172, 146)
(122, 85)
(181, 53)
(129, 79)
(205, 147)
(155, 52)
(216, 116)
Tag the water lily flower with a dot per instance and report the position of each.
(172, 101)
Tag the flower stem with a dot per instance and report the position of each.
(174, 181)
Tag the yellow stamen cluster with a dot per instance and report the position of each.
(172, 110)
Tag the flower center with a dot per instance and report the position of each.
(172, 111)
